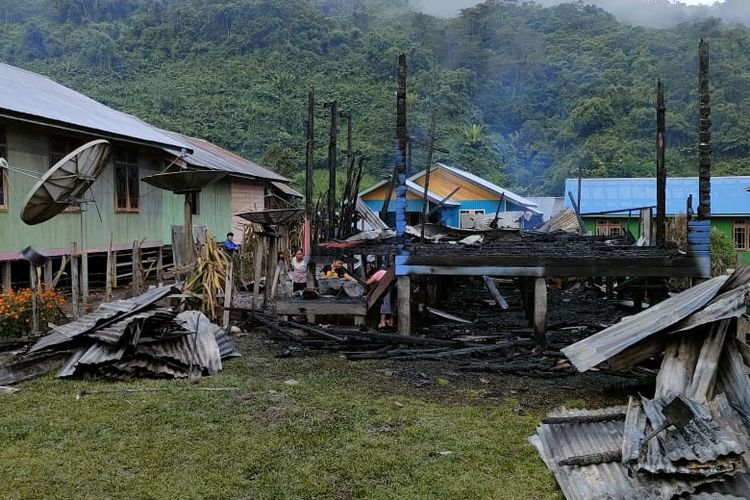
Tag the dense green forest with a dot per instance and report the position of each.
(524, 94)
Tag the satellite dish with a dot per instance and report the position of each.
(185, 181)
(65, 182)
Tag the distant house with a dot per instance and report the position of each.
(548, 205)
(464, 199)
(41, 121)
(611, 206)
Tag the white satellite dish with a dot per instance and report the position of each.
(65, 183)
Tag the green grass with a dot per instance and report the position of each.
(346, 430)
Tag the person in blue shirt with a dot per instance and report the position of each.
(229, 244)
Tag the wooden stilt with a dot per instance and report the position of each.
(311, 284)
(160, 265)
(48, 274)
(84, 279)
(228, 287)
(34, 299)
(113, 270)
(134, 270)
(6, 276)
(74, 277)
(259, 251)
(108, 271)
(272, 259)
(403, 290)
(540, 311)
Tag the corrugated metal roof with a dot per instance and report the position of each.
(32, 95)
(211, 156)
(415, 188)
(609, 342)
(608, 480)
(567, 220)
(369, 216)
(509, 195)
(728, 195)
(286, 189)
(103, 315)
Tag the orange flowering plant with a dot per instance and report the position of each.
(15, 310)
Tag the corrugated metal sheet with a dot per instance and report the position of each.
(609, 342)
(728, 196)
(211, 156)
(286, 189)
(369, 216)
(40, 97)
(730, 304)
(103, 315)
(602, 481)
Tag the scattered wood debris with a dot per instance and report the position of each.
(692, 437)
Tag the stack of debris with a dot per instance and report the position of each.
(127, 338)
(692, 437)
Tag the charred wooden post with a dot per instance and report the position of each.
(430, 149)
(309, 157)
(403, 293)
(260, 249)
(332, 145)
(661, 169)
(540, 311)
(272, 259)
(704, 134)
(401, 141)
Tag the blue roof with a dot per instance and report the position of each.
(728, 195)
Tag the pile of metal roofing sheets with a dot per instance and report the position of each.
(125, 339)
(701, 335)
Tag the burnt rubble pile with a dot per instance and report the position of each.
(125, 339)
(691, 439)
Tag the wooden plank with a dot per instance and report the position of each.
(540, 311)
(259, 252)
(84, 279)
(635, 425)
(108, 270)
(640, 352)
(48, 274)
(6, 276)
(271, 260)
(160, 265)
(74, 276)
(320, 307)
(495, 293)
(704, 377)
(134, 258)
(403, 287)
(34, 300)
(381, 288)
(228, 288)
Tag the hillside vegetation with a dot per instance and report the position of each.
(524, 94)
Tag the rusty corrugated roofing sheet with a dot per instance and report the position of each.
(286, 189)
(609, 342)
(30, 95)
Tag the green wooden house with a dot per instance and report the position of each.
(41, 121)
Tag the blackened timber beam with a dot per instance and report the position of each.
(704, 134)
(309, 156)
(332, 145)
(661, 169)
(402, 136)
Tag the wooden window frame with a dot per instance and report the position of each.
(743, 225)
(604, 227)
(118, 164)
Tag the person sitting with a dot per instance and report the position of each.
(337, 269)
(229, 245)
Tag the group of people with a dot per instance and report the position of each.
(338, 269)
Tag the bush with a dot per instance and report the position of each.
(15, 310)
(723, 253)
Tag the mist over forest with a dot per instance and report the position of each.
(524, 94)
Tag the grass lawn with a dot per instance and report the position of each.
(344, 430)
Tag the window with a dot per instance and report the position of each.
(59, 146)
(195, 200)
(608, 227)
(127, 193)
(740, 232)
(3, 172)
(469, 218)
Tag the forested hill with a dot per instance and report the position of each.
(524, 94)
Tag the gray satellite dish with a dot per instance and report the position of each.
(65, 183)
(185, 181)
